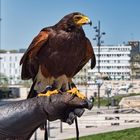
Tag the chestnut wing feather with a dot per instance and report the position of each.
(29, 60)
(89, 55)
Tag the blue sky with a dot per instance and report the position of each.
(23, 19)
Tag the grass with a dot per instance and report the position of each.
(128, 134)
(104, 101)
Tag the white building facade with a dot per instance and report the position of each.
(9, 66)
(114, 61)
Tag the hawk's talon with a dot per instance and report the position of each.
(49, 92)
(75, 91)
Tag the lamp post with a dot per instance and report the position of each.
(0, 40)
(98, 36)
(0, 24)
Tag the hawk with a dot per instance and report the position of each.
(56, 55)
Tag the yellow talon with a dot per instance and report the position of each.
(48, 93)
(76, 92)
(73, 90)
(80, 95)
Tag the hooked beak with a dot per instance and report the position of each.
(83, 21)
(90, 23)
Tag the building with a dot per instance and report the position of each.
(114, 61)
(135, 47)
(10, 68)
(135, 59)
(135, 66)
(82, 77)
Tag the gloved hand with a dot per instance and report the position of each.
(20, 119)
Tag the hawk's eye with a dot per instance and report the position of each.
(76, 18)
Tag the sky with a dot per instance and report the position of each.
(23, 19)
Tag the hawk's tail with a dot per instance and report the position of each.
(93, 61)
(32, 94)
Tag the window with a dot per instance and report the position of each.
(10, 58)
(10, 65)
(13, 65)
(10, 71)
(15, 71)
(15, 58)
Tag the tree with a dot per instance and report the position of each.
(3, 79)
(3, 51)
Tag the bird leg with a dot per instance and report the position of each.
(48, 91)
(75, 91)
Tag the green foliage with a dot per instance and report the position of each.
(135, 66)
(11, 51)
(104, 101)
(128, 134)
(2, 51)
(3, 80)
(136, 58)
(119, 97)
(4, 92)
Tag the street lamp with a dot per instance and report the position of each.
(98, 37)
(0, 24)
(0, 32)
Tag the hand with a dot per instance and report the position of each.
(20, 119)
(64, 107)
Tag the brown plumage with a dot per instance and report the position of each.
(58, 53)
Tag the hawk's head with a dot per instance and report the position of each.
(80, 19)
(75, 19)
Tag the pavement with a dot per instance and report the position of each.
(67, 133)
(70, 132)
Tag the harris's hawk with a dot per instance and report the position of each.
(57, 54)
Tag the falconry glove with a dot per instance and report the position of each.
(19, 120)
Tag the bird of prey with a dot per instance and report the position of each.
(56, 55)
